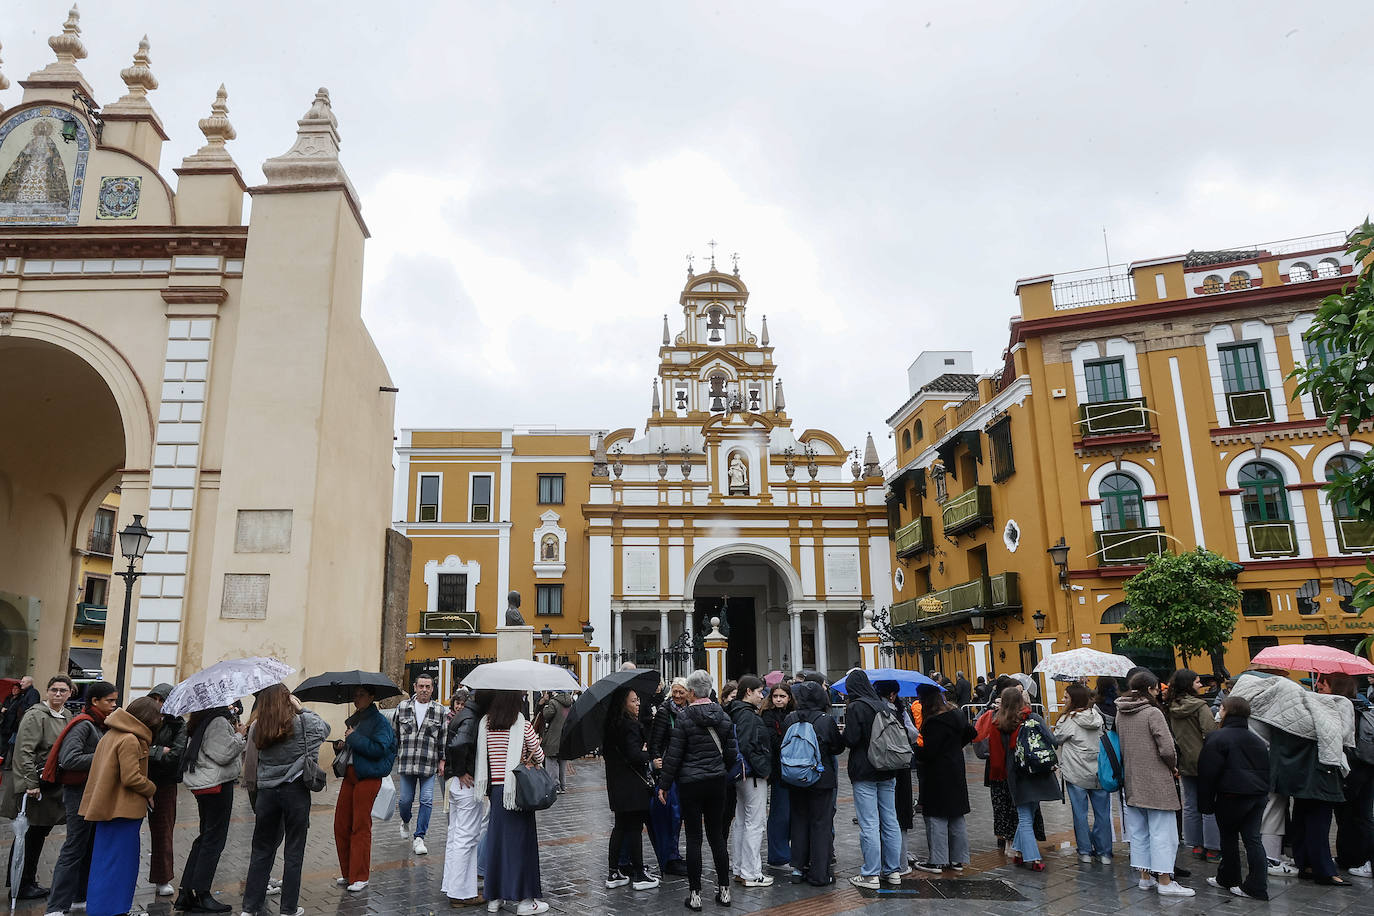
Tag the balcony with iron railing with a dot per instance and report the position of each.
(1355, 535)
(450, 623)
(966, 408)
(90, 615)
(1272, 538)
(1244, 407)
(968, 510)
(914, 537)
(941, 427)
(1129, 546)
(100, 542)
(1113, 418)
(1001, 592)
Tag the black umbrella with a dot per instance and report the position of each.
(338, 686)
(586, 723)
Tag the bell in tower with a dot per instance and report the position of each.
(717, 393)
(715, 323)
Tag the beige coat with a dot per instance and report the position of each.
(118, 786)
(38, 732)
(1147, 753)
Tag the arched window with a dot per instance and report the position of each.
(1116, 613)
(1346, 464)
(906, 439)
(1122, 507)
(1239, 280)
(1212, 284)
(1299, 273)
(920, 431)
(1328, 267)
(1262, 493)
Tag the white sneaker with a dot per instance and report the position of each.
(493, 906)
(1105, 860)
(55, 913)
(404, 829)
(1281, 869)
(531, 907)
(1240, 893)
(1146, 883)
(1174, 889)
(418, 847)
(1086, 860)
(869, 881)
(1364, 871)
(338, 882)
(165, 890)
(765, 881)
(300, 911)
(1215, 883)
(357, 886)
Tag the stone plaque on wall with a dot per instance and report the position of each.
(641, 569)
(842, 570)
(263, 531)
(245, 596)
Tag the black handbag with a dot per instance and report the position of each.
(535, 787)
(312, 774)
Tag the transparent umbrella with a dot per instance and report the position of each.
(20, 826)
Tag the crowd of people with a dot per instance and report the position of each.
(1240, 772)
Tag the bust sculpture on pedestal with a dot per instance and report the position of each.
(513, 616)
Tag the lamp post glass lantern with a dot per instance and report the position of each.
(547, 634)
(588, 632)
(134, 541)
(1039, 618)
(1059, 556)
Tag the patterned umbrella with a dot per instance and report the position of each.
(1320, 659)
(1076, 664)
(223, 683)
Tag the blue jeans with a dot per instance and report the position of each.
(405, 792)
(1098, 840)
(779, 820)
(1024, 841)
(880, 838)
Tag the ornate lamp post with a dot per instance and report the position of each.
(133, 544)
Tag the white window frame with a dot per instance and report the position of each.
(419, 489)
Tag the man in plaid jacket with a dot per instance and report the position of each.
(421, 734)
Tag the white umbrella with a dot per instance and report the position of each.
(223, 683)
(520, 674)
(1027, 682)
(1080, 663)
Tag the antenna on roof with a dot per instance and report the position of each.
(1105, 248)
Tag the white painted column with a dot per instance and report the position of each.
(773, 659)
(156, 633)
(618, 630)
(794, 613)
(822, 656)
(1051, 698)
(663, 640)
(979, 649)
(1185, 442)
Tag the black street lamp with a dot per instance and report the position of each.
(133, 544)
(1059, 556)
(547, 634)
(588, 632)
(1039, 619)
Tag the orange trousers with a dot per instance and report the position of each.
(353, 826)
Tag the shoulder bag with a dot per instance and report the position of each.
(535, 787)
(312, 774)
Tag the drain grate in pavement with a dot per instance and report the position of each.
(948, 889)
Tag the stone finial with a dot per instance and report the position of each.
(779, 402)
(763, 337)
(314, 158)
(69, 49)
(666, 340)
(218, 131)
(657, 406)
(139, 75)
(871, 467)
(600, 467)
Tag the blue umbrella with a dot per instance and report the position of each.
(907, 681)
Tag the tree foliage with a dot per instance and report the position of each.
(1344, 331)
(1185, 601)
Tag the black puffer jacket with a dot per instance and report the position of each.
(753, 736)
(692, 755)
(165, 768)
(772, 721)
(863, 707)
(813, 705)
(460, 753)
(1233, 761)
(664, 721)
(627, 762)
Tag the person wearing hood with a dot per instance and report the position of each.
(701, 742)
(1079, 736)
(665, 817)
(210, 766)
(1150, 763)
(945, 731)
(1107, 692)
(1233, 785)
(371, 742)
(116, 801)
(69, 764)
(813, 806)
(1190, 718)
(751, 788)
(880, 837)
(553, 714)
(164, 769)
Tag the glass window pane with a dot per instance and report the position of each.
(1240, 368)
(481, 490)
(1106, 380)
(429, 490)
(453, 593)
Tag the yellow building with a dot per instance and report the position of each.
(626, 544)
(99, 556)
(1136, 412)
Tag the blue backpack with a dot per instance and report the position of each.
(1110, 773)
(802, 763)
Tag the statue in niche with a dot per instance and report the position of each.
(548, 548)
(513, 616)
(739, 476)
(37, 175)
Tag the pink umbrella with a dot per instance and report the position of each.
(773, 679)
(1321, 659)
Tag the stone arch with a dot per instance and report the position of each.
(773, 558)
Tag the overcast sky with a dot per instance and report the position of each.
(534, 173)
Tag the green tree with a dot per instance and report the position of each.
(1184, 601)
(1342, 377)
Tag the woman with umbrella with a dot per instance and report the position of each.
(283, 734)
(627, 789)
(371, 743)
(504, 739)
(37, 732)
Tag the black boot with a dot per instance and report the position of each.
(186, 900)
(206, 903)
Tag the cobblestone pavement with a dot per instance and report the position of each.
(572, 857)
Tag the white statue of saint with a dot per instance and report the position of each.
(739, 475)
